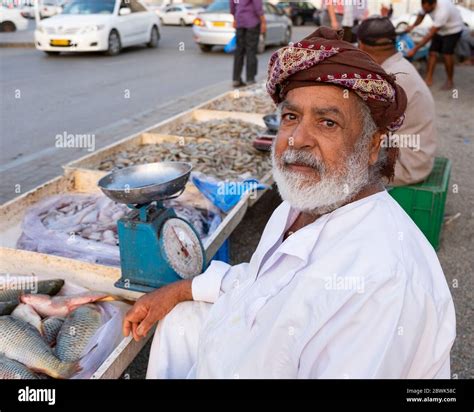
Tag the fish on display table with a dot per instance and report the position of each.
(76, 332)
(11, 369)
(51, 327)
(60, 306)
(46, 287)
(29, 315)
(23, 343)
(6, 308)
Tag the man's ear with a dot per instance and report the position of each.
(374, 148)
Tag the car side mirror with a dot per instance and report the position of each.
(124, 11)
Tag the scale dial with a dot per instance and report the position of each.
(182, 248)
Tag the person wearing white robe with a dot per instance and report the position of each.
(342, 284)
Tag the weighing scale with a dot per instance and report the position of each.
(156, 246)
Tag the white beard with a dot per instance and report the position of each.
(332, 190)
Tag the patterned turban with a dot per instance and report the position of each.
(323, 57)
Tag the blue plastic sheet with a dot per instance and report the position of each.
(222, 193)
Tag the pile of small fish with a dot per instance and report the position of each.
(258, 102)
(84, 227)
(228, 155)
(46, 335)
(91, 217)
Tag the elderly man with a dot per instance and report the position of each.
(342, 284)
(417, 136)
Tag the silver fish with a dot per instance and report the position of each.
(51, 327)
(29, 315)
(60, 306)
(11, 369)
(22, 342)
(47, 287)
(8, 307)
(76, 332)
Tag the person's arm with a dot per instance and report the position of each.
(218, 278)
(154, 306)
(263, 24)
(258, 8)
(418, 21)
(423, 41)
(232, 11)
(332, 16)
(442, 17)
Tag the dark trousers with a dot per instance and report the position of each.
(247, 44)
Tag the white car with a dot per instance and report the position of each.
(12, 19)
(213, 27)
(182, 14)
(98, 25)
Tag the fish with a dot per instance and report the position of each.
(8, 307)
(47, 287)
(220, 147)
(29, 315)
(91, 217)
(255, 103)
(76, 332)
(11, 369)
(51, 327)
(60, 306)
(22, 342)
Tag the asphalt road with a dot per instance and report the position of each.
(108, 97)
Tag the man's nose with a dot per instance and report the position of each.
(301, 138)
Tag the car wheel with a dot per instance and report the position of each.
(206, 48)
(7, 26)
(52, 53)
(261, 44)
(182, 23)
(287, 38)
(298, 21)
(114, 44)
(154, 38)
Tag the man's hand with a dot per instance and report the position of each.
(263, 27)
(410, 28)
(154, 306)
(410, 53)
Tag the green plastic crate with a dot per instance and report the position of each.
(424, 202)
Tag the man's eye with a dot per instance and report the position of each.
(329, 123)
(288, 116)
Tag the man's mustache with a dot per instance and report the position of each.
(302, 157)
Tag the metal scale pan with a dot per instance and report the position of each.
(156, 246)
(143, 184)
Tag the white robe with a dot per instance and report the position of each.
(359, 293)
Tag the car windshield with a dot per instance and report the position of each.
(219, 7)
(89, 7)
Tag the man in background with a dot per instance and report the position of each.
(417, 136)
(249, 23)
(444, 35)
(344, 14)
